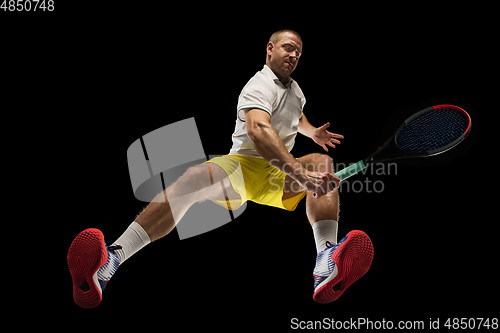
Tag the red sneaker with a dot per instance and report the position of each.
(91, 264)
(338, 266)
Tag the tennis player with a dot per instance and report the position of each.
(258, 168)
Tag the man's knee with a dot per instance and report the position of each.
(320, 163)
(192, 180)
(205, 176)
(197, 177)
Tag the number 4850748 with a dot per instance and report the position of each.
(27, 5)
(471, 323)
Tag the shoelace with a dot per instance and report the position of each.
(337, 286)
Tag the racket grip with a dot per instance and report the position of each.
(350, 170)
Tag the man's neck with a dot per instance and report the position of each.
(284, 80)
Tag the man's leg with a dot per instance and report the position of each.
(323, 212)
(327, 206)
(199, 183)
(92, 263)
(337, 265)
(317, 209)
(159, 218)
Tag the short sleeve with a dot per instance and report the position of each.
(256, 95)
(300, 95)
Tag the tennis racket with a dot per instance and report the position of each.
(429, 132)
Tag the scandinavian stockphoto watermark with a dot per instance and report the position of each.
(367, 185)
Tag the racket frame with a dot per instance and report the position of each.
(393, 152)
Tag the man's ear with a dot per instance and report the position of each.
(269, 48)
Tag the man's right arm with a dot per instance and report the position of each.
(271, 147)
(269, 144)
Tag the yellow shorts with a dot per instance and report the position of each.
(254, 179)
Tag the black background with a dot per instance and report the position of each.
(89, 80)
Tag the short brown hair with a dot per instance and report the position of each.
(276, 37)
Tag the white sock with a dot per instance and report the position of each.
(325, 231)
(131, 241)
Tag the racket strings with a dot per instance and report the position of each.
(432, 130)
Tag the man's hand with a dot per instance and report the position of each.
(319, 182)
(323, 138)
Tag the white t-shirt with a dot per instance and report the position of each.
(284, 104)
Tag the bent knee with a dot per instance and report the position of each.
(320, 163)
(205, 174)
(196, 177)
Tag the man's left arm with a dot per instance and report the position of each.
(319, 134)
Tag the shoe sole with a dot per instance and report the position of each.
(352, 260)
(86, 255)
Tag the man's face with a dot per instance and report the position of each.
(284, 55)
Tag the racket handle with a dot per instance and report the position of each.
(350, 170)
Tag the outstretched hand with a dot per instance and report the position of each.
(323, 138)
